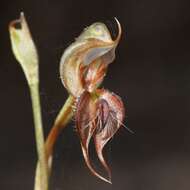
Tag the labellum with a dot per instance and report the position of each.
(100, 118)
(99, 113)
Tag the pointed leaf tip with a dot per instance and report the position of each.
(24, 48)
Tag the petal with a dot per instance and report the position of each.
(93, 46)
(110, 117)
(94, 75)
(24, 48)
(85, 117)
(85, 121)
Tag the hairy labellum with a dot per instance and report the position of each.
(98, 116)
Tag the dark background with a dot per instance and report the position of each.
(151, 73)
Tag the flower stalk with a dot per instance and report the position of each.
(60, 123)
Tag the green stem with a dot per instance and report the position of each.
(34, 91)
(61, 121)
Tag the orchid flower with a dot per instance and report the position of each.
(98, 112)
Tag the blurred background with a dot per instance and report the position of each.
(151, 73)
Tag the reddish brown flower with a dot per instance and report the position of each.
(99, 113)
